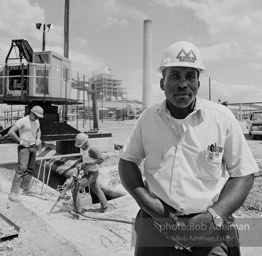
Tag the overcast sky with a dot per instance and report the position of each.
(110, 33)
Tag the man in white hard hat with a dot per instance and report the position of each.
(28, 138)
(89, 163)
(198, 168)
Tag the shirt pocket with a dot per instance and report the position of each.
(209, 168)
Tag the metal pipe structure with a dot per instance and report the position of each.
(42, 158)
(147, 64)
(66, 29)
(209, 84)
(43, 179)
(43, 42)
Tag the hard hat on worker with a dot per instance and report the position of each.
(182, 54)
(38, 111)
(81, 139)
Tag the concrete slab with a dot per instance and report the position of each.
(8, 152)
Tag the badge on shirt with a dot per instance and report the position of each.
(214, 151)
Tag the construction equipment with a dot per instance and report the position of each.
(39, 79)
(45, 79)
(69, 184)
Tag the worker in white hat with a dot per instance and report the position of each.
(89, 163)
(198, 168)
(26, 132)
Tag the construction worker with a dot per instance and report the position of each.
(89, 163)
(28, 138)
(198, 167)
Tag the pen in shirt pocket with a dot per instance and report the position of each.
(214, 151)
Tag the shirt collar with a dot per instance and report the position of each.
(199, 108)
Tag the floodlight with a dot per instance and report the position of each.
(38, 25)
(50, 26)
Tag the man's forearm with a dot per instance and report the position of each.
(233, 195)
(13, 135)
(38, 134)
(132, 181)
(130, 176)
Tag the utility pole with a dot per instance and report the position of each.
(209, 82)
(66, 30)
(66, 46)
(94, 97)
(43, 42)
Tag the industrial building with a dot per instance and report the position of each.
(111, 99)
(108, 88)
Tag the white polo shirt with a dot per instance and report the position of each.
(187, 162)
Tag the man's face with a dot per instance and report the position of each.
(85, 146)
(180, 85)
(33, 116)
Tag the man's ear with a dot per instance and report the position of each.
(198, 84)
(162, 84)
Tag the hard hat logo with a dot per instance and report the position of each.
(183, 56)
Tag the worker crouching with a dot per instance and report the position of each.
(89, 164)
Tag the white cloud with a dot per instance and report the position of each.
(223, 50)
(114, 13)
(169, 3)
(233, 93)
(82, 42)
(111, 21)
(17, 20)
(18, 17)
(234, 26)
(84, 63)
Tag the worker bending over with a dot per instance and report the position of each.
(89, 163)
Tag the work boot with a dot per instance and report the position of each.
(13, 197)
(102, 209)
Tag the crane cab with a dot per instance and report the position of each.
(35, 74)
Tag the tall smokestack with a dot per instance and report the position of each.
(147, 64)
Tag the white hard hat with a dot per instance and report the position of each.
(81, 139)
(37, 110)
(182, 54)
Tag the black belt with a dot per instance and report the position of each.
(31, 146)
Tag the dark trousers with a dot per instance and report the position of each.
(148, 239)
(25, 169)
(92, 179)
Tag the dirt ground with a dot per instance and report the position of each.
(61, 233)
